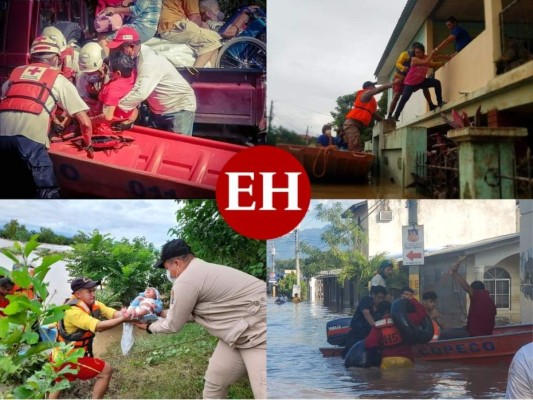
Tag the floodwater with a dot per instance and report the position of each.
(296, 368)
(371, 190)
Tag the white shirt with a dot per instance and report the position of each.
(35, 127)
(520, 379)
(160, 84)
(377, 280)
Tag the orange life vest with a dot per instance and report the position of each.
(436, 330)
(363, 112)
(388, 332)
(80, 337)
(29, 88)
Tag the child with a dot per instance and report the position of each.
(122, 80)
(146, 305)
(395, 352)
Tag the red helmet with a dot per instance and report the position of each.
(44, 44)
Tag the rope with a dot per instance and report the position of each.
(325, 151)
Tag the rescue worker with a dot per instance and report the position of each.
(363, 111)
(171, 99)
(28, 100)
(79, 325)
(385, 271)
(93, 74)
(69, 57)
(481, 313)
(230, 304)
(396, 353)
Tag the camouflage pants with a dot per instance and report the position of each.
(352, 128)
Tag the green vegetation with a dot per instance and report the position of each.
(124, 267)
(161, 367)
(24, 366)
(13, 230)
(344, 239)
(212, 239)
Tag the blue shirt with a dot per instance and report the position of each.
(462, 38)
(323, 140)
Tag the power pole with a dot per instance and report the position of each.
(273, 253)
(270, 116)
(297, 258)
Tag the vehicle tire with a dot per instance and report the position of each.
(359, 356)
(242, 52)
(410, 333)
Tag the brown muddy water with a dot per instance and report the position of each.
(371, 190)
(296, 368)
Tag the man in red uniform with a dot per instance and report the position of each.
(363, 111)
(396, 353)
(28, 100)
(482, 311)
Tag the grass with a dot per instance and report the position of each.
(161, 367)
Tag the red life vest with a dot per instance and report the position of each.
(436, 330)
(80, 337)
(29, 88)
(388, 332)
(363, 112)
(481, 314)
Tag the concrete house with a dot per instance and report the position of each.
(493, 72)
(496, 237)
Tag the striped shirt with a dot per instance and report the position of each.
(146, 12)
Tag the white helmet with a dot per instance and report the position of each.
(44, 44)
(56, 35)
(91, 57)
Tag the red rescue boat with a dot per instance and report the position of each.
(149, 164)
(326, 164)
(500, 346)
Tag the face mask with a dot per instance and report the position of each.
(93, 78)
(170, 278)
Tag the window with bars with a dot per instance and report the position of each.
(498, 282)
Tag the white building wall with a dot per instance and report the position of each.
(446, 223)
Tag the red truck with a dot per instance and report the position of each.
(230, 102)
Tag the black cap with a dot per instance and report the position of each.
(174, 248)
(367, 84)
(385, 263)
(83, 283)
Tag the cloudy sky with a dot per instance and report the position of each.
(120, 218)
(319, 50)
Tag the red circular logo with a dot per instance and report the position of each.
(263, 192)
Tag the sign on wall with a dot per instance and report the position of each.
(413, 244)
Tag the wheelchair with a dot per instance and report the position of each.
(248, 48)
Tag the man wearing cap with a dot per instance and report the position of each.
(171, 99)
(80, 324)
(230, 304)
(385, 271)
(363, 111)
(27, 103)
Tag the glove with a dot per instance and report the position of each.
(121, 126)
(57, 129)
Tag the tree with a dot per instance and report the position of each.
(125, 268)
(344, 239)
(211, 238)
(286, 284)
(25, 369)
(13, 230)
(282, 135)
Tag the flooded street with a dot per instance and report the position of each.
(372, 190)
(296, 368)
